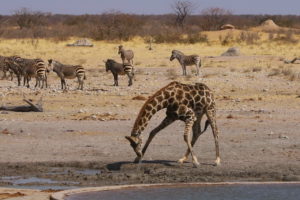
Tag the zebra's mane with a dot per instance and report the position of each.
(111, 60)
(55, 62)
(177, 52)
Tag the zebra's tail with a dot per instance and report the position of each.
(84, 77)
(197, 59)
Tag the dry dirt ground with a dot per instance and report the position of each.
(79, 139)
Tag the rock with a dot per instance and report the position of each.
(5, 131)
(271, 133)
(94, 117)
(284, 137)
(81, 111)
(230, 116)
(139, 97)
(232, 51)
(227, 26)
(81, 43)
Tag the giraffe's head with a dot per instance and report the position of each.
(136, 144)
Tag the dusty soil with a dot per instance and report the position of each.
(79, 139)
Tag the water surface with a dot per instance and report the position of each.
(211, 192)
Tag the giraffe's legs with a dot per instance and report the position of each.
(211, 115)
(196, 133)
(187, 132)
(166, 122)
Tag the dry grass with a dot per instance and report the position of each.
(275, 72)
(92, 57)
(256, 69)
(209, 75)
(188, 77)
(290, 74)
(232, 69)
(247, 71)
(138, 63)
(171, 74)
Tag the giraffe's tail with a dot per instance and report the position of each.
(207, 122)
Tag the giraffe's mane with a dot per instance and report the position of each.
(149, 100)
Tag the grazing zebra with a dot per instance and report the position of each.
(119, 69)
(126, 55)
(67, 71)
(13, 65)
(4, 68)
(186, 60)
(33, 68)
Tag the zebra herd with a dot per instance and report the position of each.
(39, 69)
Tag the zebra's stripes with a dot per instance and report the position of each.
(69, 72)
(40, 73)
(185, 60)
(119, 69)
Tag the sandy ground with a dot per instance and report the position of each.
(79, 139)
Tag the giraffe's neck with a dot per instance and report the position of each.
(155, 103)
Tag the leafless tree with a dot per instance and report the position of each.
(182, 10)
(215, 17)
(25, 18)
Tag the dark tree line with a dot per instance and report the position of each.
(121, 26)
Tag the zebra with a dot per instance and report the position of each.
(13, 65)
(186, 60)
(119, 69)
(126, 55)
(4, 68)
(33, 68)
(41, 71)
(69, 72)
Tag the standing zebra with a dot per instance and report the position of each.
(186, 61)
(41, 73)
(69, 72)
(126, 55)
(4, 68)
(119, 69)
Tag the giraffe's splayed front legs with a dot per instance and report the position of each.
(136, 144)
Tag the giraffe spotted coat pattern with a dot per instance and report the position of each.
(184, 102)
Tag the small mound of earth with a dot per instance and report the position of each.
(81, 43)
(269, 24)
(232, 51)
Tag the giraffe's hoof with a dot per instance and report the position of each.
(138, 160)
(182, 160)
(218, 162)
(196, 165)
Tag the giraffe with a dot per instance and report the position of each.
(184, 102)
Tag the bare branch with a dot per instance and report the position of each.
(182, 10)
(215, 17)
